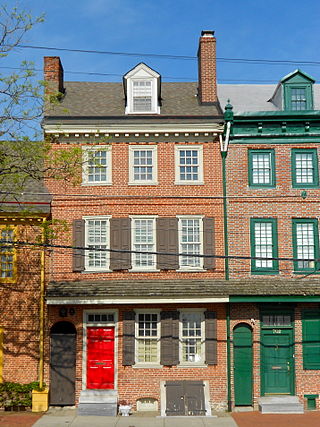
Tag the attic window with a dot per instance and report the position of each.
(142, 90)
(298, 98)
(142, 95)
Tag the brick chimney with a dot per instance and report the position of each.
(207, 68)
(53, 74)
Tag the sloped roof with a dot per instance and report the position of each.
(154, 288)
(106, 100)
(254, 97)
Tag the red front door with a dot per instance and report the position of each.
(100, 358)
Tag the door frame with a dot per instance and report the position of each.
(234, 331)
(291, 328)
(86, 324)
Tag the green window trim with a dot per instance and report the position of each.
(290, 92)
(296, 223)
(266, 173)
(257, 266)
(311, 339)
(296, 155)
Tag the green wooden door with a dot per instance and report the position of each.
(242, 354)
(277, 369)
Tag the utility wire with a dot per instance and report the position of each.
(4, 243)
(179, 57)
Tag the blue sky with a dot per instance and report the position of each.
(254, 29)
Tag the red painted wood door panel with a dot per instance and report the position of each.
(100, 358)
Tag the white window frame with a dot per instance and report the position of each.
(185, 147)
(132, 150)
(201, 259)
(136, 334)
(97, 218)
(200, 362)
(154, 260)
(86, 151)
(155, 108)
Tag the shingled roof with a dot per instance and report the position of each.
(87, 101)
(183, 289)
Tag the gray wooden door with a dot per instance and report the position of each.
(62, 369)
(185, 398)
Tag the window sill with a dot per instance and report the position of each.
(146, 366)
(144, 183)
(192, 365)
(264, 273)
(189, 183)
(144, 270)
(96, 271)
(191, 270)
(95, 184)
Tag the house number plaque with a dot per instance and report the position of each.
(276, 331)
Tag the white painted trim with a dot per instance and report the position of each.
(213, 128)
(85, 158)
(186, 217)
(184, 147)
(99, 218)
(84, 342)
(200, 311)
(136, 326)
(154, 151)
(111, 301)
(154, 235)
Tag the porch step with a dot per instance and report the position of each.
(279, 404)
(98, 402)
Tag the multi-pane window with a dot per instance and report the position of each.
(298, 99)
(305, 243)
(7, 254)
(189, 165)
(142, 95)
(304, 168)
(143, 167)
(143, 242)
(97, 240)
(147, 337)
(97, 166)
(190, 242)
(191, 337)
(264, 245)
(261, 168)
(276, 320)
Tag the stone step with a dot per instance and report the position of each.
(98, 402)
(280, 405)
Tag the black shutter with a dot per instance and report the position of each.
(120, 239)
(169, 338)
(167, 242)
(211, 337)
(128, 338)
(208, 242)
(78, 241)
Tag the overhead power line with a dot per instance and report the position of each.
(178, 57)
(4, 243)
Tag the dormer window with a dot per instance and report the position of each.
(298, 98)
(141, 95)
(142, 90)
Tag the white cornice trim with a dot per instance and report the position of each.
(112, 301)
(151, 128)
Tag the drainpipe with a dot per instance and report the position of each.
(41, 308)
(224, 144)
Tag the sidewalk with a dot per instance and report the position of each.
(68, 417)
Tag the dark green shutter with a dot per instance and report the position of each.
(311, 339)
(78, 242)
(208, 243)
(169, 347)
(167, 242)
(128, 338)
(210, 338)
(120, 239)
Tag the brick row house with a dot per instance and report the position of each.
(22, 284)
(273, 213)
(136, 309)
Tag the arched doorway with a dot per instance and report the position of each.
(242, 359)
(62, 363)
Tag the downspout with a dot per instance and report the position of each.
(41, 308)
(228, 116)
